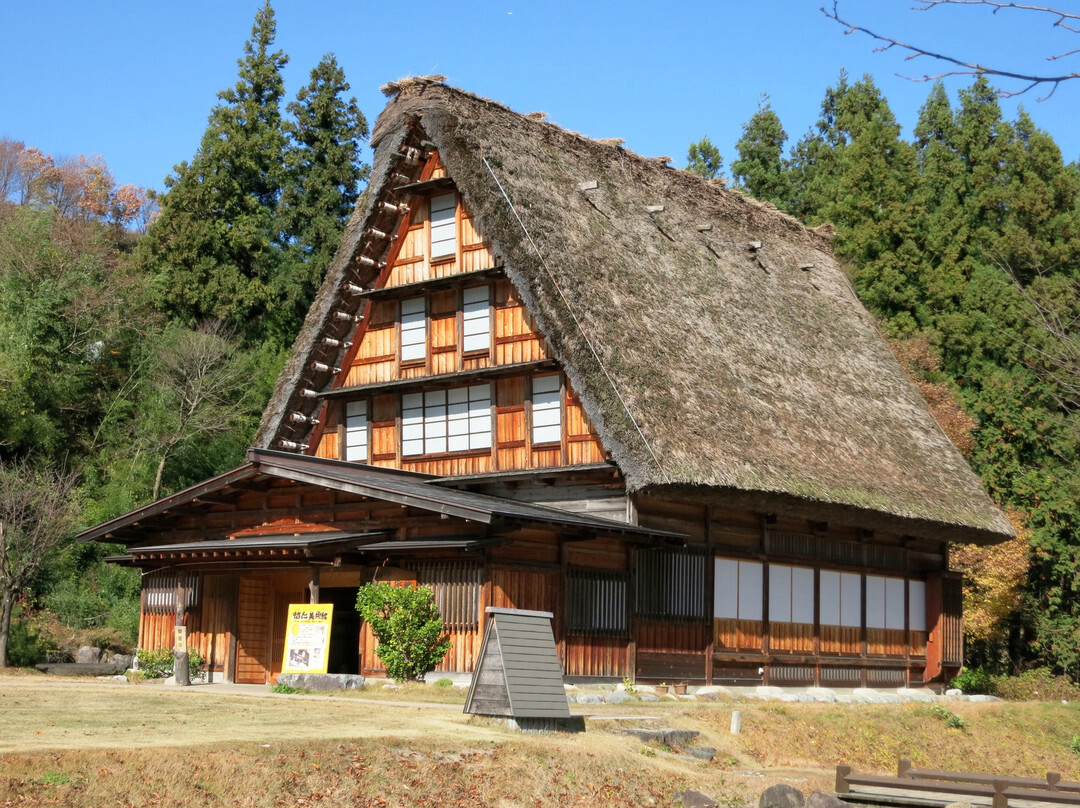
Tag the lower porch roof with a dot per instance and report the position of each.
(138, 528)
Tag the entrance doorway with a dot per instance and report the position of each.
(344, 656)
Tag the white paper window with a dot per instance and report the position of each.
(412, 424)
(469, 418)
(356, 431)
(413, 329)
(894, 602)
(841, 599)
(791, 594)
(875, 601)
(476, 319)
(737, 592)
(435, 422)
(546, 409)
(443, 225)
(441, 421)
(917, 605)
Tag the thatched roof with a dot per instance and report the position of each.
(717, 346)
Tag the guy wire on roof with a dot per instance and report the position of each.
(573, 316)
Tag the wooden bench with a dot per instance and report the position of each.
(923, 784)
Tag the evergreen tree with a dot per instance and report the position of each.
(759, 170)
(214, 251)
(856, 173)
(1041, 218)
(811, 168)
(323, 172)
(940, 220)
(703, 159)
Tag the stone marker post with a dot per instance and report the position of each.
(181, 673)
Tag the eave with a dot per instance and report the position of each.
(439, 380)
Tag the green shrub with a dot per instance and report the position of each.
(104, 596)
(1039, 684)
(281, 687)
(444, 682)
(951, 719)
(25, 646)
(974, 680)
(159, 664)
(406, 622)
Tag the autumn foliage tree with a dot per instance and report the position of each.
(994, 579)
(77, 187)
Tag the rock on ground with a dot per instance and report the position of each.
(820, 799)
(87, 655)
(694, 799)
(781, 796)
(321, 681)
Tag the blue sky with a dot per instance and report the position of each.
(134, 81)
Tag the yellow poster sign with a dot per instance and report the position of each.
(307, 638)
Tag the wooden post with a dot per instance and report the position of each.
(180, 651)
(710, 598)
(841, 779)
(313, 586)
(1000, 800)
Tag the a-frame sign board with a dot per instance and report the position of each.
(518, 674)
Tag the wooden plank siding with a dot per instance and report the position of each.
(253, 612)
(738, 636)
(210, 626)
(156, 630)
(523, 589)
(375, 356)
(805, 650)
(671, 651)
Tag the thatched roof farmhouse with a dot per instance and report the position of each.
(547, 373)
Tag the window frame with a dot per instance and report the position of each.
(423, 331)
(594, 596)
(451, 224)
(485, 317)
(436, 421)
(555, 406)
(350, 429)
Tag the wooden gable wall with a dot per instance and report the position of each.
(449, 294)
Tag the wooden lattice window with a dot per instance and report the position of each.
(476, 319)
(413, 329)
(670, 585)
(159, 591)
(546, 409)
(443, 225)
(596, 603)
(356, 431)
(441, 421)
(457, 592)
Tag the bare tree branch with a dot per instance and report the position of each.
(203, 380)
(972, 68)
(37, 515)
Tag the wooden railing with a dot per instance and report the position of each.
(998, 790)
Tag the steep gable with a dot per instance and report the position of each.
(716, 345)
(443, 371)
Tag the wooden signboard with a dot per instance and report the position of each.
(180, 640)
(307, 638)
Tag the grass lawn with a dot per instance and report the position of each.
(85, 743)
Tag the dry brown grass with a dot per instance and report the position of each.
(84, 744)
